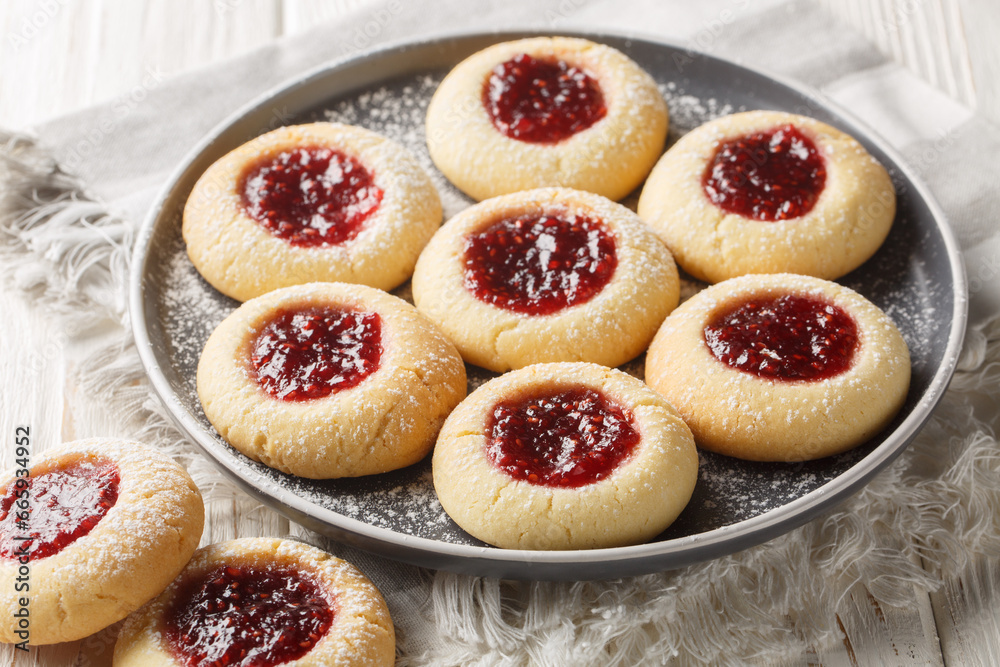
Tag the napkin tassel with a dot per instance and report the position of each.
(57, 243)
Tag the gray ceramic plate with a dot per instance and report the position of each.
(917, 277)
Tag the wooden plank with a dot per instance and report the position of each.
(981, 25)
(967, 609)
(950, 23)
(117, 47)
(875, 634)
(36, 37)
(925, 36)
(32, 369)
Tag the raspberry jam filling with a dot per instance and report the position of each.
(50, 511)
(542, 101)
(540, 264)
(784, 338)
(312, 353)
(767, 176)
(310, 196)
(247, 617)
(567, 438)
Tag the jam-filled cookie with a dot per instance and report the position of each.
(780, 367)
(564, 456)
(768, 192)
(261, 601)
(546, 111)
(305, 203)
(546, 275)
(97, 529)
(329, 380)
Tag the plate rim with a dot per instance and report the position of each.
(550, 565)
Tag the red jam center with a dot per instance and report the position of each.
(305, 354)
(542, 101)
(564, 439)
(784, 338)
(767, 176)
(310, 196)
(50, 511)
(538, 265)
(247, 617)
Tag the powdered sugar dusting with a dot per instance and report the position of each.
(403, 502)
(192, 310)
(689, 111)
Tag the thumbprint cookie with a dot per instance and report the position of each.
(329, 380)
(543, 112)
(95, 530)
(322, 202)
(780, 367)
(262, 601)
(564, 456)
(768, 192)
(546, 275)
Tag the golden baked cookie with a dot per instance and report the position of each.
(546, 111)
(768, 192)
(564, 456)
(780, 367)
(257, 601)
(329, 380)
(546, 275)
(111, 524)
(308, 203)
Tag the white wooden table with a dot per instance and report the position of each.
(61, 55)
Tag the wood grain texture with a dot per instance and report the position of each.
(926, 36)
(967, 610)
(33, 368)
(979, 21)
(115, 46)
(875, 634)
(57, 56)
